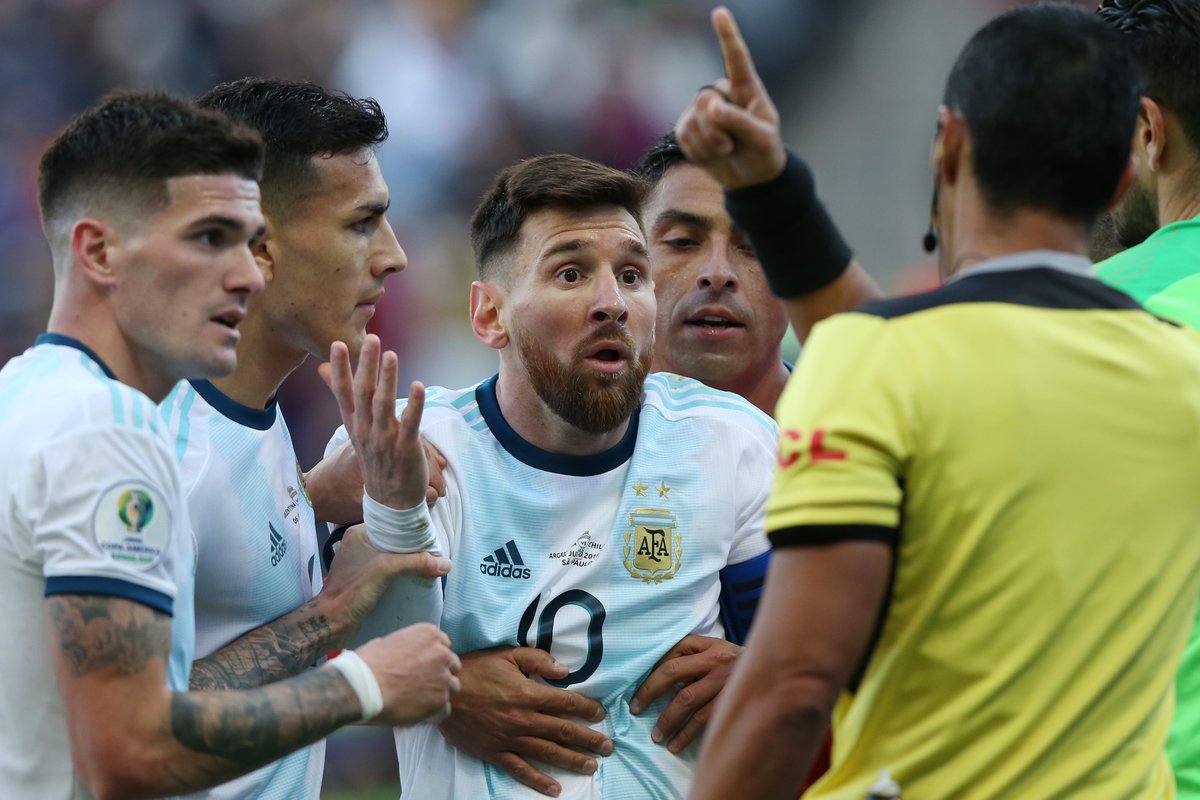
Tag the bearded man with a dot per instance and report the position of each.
(593, 510)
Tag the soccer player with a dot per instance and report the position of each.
(593, 511)
(959, 554)
(150, 207)
(326, 254)
(716, 322)
(1157, 221)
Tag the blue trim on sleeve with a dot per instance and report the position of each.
(113, 587)
(71, 341)
(741, 589)
(260, 419)
(526, 453)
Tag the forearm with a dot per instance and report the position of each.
(761, 742)
(280, 649)
(407, 601)
(216, 736)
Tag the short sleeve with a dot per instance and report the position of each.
(845, 428)
(102, 506)
(754, 471)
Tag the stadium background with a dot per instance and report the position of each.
(469, 86)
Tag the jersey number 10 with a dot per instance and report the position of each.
(545, 630)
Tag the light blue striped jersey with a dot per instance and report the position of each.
(604, 560)
(256, 539)
(92, 505)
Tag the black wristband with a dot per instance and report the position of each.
(794, 239)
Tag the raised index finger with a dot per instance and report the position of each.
(739, 67)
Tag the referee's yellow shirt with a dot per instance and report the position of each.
(1029, 439)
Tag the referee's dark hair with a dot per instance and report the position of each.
(1050, 95)
(1165, 38)
(297, 121)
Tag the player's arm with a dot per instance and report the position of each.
(817, 615)
(732, 130)
(701, 665)
(503, 717)
(297, 640)
(335, 484)
(131, 737)
(393, 457)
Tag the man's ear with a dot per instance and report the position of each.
(264, 255)
(1150, 135)
(95, 246)
(949, 146)
(487, 300)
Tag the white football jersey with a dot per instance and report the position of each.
(605, 561)
(256, 540)
(92, 505)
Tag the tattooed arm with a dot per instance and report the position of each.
(132, 737)
(294, 642)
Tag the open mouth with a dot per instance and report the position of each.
(714, 322)
(228, 320)
(607, 354)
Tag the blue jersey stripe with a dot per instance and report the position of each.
(112, 587)
(185, 423)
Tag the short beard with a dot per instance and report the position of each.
(592, 402)
(1127, 225)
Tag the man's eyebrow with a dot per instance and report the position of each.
(232, 223)
(579, 245)
(378, 209)
(675, 216)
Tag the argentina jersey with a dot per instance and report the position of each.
(92, 505)
(605, 561)
(256, 540)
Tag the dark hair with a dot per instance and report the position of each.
(297, 121)
(664, 154)
(1164, 36)
(1050, 96)
(124, 149)
(556, 181)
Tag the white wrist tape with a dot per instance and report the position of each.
(362, 681)
(399, 531)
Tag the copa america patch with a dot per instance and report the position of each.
(132, 525)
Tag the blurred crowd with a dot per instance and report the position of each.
(467, 85)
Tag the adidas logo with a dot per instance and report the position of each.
(278, 546)
(505, 562)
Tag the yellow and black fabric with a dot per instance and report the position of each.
(1028, 441)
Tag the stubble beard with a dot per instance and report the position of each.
(593, 402)
(1127, 225)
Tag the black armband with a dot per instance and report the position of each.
(794, 239)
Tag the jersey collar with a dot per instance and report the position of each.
(260, 419)
(71, 341)
(544, 460)
(1029, 259)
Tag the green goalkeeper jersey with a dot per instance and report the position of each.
(1163, 274)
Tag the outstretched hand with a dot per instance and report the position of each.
(393, 458)
(731, 129)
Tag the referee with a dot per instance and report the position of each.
(983, 557)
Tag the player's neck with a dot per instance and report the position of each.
(764, 387)
(262, 365)
(534, 422)
(94, 328)
(986, 236)
(1178, 195)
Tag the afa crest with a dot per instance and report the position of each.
(653, 545)
(136, 509)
